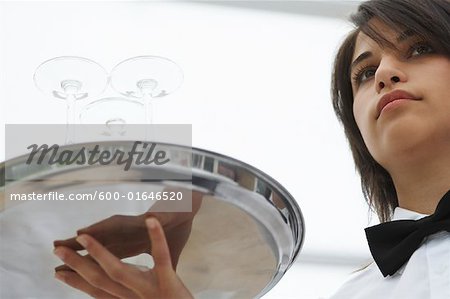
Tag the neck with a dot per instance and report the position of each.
(420, 186)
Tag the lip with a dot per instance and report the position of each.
(392, 96)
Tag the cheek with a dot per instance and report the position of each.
(360, 115)
(438, 86)
(364, 122)
(434, 86)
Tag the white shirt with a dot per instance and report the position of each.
(425, 276)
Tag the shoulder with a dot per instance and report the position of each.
(419, 271)
(361, 284)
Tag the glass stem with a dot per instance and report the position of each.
(70, 118)
(148, 116)
(148, 110)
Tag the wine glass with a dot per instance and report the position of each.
(70, 78)
(114, 114)
(145, 78)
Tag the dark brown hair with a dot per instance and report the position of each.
(429, 20)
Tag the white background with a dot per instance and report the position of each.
(256, 88)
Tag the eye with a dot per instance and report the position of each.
(419, 49)
(364, 74)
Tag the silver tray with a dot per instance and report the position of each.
(247, 232)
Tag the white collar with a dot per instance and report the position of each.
(402, 214)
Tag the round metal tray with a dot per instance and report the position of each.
(247, 232)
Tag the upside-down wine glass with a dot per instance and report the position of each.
(146, 78)
(70, 78)
(115, 113)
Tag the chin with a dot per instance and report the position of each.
(404, 138)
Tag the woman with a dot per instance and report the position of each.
(390, 91)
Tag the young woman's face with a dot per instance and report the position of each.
(401, 97)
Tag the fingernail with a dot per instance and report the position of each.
(151, 223)
(59, 253)
(82, 240)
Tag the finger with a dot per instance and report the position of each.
(160, 249)
(102, 226)
(94, 229)
(71, 243)
(63, 268)
(67, 268)
(91, 272)
(119, 272)
(74, 280)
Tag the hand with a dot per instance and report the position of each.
(110, 278)
(113, 233)
(126, 236)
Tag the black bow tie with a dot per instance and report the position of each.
(393, 243)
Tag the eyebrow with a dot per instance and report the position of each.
(401, 38)
(360, 58)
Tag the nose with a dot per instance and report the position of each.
(388, 74)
